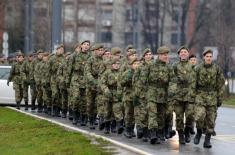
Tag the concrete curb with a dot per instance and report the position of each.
(130, 148)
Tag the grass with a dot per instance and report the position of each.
(230, 100)
(22, 135)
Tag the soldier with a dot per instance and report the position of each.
(37, 78)
(140, 104)
(185, 80)
(209, 95)
(62, 75)
(109, 86)
(45, 82)
(55, 61)
(92, 73)
(17, 77)
(76, 81)
(126, 73)
(101, 98)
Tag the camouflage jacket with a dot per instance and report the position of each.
(45, 73)
(28, 70)
(209, 84)
(62, 74)
(37, 72)
(16, 75)
(76, 69)
(185, 81)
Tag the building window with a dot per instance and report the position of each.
(86, 13)
(69, 13)
(106, 37)
(68, 36)
(174, 38)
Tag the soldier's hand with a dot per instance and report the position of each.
(219, 103)
(8, 83)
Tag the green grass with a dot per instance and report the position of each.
(230, 100)
(24, 135)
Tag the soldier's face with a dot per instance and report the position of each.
(135, 65)
(164, 57)
(132, 57)
(45, 58)
(107, 55)
(85, 46)
(40, 56)
(184, 54)
(60, 51)
(116, 65)
(20, 58)
(193, 61)
(30, 58)
(148, 56)
(208, 58)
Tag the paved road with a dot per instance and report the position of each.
(223, 143)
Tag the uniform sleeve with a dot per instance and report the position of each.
(141, 77)
(91, 81)
(220, 81)
(12, 73)
(104, 81)
(172, 86)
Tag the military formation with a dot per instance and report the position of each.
(100, 88)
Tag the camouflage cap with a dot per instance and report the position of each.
(133, 61)
(31, 54)
(19, 54)
(131, 51)
(96, 47)
(39, 51)
(60, 46)
(207, 51)
(181, 48)
(146, 50)
(129, 47)
(116, 50)
(85, 41)
(163, 49)
(192, 56)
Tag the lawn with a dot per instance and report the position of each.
(230, 100)
(23, 135)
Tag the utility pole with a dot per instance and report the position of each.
(56, 23)
(28, 27)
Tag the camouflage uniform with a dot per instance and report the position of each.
(55, 62)
(77, 83)
(209, 94)
(37, 78)
(17, 77)
(185, 81)
(62, 75)
(92, 70)
(45, 82)
(28, 70)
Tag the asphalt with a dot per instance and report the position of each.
(222, 144)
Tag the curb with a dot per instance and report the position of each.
(117, 143)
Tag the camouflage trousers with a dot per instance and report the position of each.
(118, 111)
(169, 114)
(182, 108)
(129, 117)
(141, 113)
(39, 94)
(46, 95)
(101, 100)
(18, 92)
(205, 117)
(78, 98)
(33, 92)
(64, 98)
(91, 98)
(55, 94)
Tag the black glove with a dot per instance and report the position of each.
(136, 101)
(219, 103)
(8, 83)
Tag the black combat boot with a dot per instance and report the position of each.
(33, 104)
(132, 131)
(127, 132)
(145, 134)
(107, 127)
(75, 117)
(113, 126)
(198, 136)
(17, 105)
(58, 109)
(83, 120)
(187, 134)
(26, 105)
(53, 111)
(153, 136)
(39, 108)
(101, 123)
(64, 113)
(192, 132)
(207, 142)
(48, 110)
(161, 134)
(181, 137)
(120, 127)
(70, 114)
(140, 132)
(167, 131)
(92, 121)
